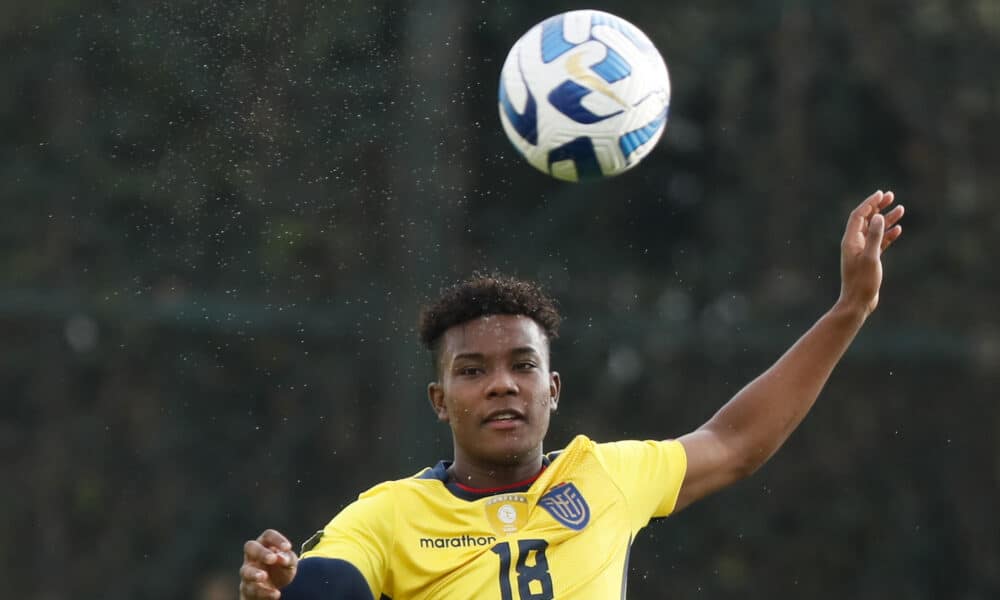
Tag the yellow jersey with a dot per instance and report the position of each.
(565, 535)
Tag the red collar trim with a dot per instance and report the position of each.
(503, 488)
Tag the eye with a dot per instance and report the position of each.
(469, 371)
(524, 365)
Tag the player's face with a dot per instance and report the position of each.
(495, 389)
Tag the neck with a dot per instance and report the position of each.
(482, 476)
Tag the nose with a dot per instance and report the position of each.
(501, 383)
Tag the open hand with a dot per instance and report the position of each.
(869, 232)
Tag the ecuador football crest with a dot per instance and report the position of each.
(507, 513)
(566, 504)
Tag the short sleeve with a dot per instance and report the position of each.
(649, 474)
(361, 534)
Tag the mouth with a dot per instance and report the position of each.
(503, 419)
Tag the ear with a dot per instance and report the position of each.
(555, 385)
(435, 393)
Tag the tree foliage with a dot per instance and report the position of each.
(221, 218)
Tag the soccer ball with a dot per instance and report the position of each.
(584, 95)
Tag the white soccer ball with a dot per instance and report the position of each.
(584, 95)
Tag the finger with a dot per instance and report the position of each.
(870, 204)
(257, 553)
(859, 216)
(891, 236)
(254, 551)
(875, 235)
(252, 591)
(270, 537)
(251, 574)
(284, 558)
(887, 199)
(893, 216)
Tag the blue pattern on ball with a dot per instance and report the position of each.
(554, 44)
(526, 123)
(630, 141)
(613, 67)
(568, 99)
(581, 152)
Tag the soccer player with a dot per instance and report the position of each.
(505, 521)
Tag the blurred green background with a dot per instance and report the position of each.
(220, 219)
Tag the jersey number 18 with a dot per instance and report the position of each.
(534, 575)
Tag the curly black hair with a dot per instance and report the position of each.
(487, 294)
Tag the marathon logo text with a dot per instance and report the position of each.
(462, 541)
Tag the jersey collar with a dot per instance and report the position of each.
(464, 492)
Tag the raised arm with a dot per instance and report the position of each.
(751, 427)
